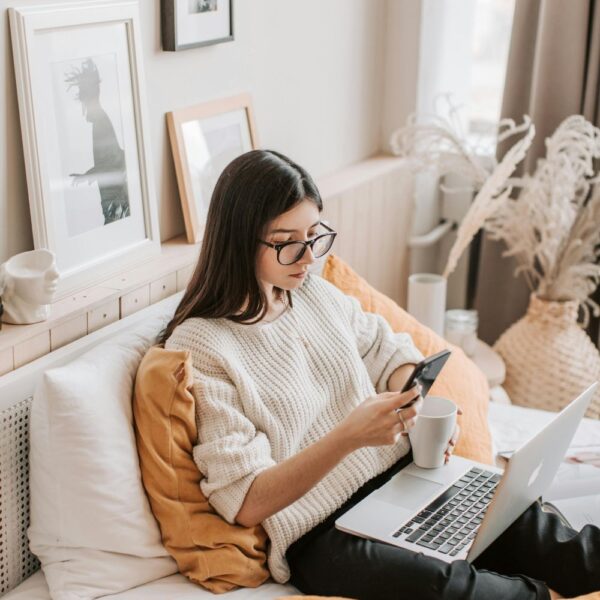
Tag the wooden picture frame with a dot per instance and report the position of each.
(189, 24)
(81, 96)
(204, 139)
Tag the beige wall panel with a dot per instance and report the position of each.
(6, 361)
(31, 349)
(183, 277)
(69, 331)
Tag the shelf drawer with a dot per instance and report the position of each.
(103, 315)
(134, 301)
(163, 288)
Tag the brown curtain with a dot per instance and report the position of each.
(553, 71)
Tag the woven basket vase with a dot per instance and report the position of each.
(549, 359)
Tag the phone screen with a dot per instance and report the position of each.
(426, 372)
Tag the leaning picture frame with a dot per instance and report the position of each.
(81, 95)
(204, 139)
(189, 24)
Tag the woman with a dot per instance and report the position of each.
(299, 410)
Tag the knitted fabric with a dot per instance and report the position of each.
(266, 391)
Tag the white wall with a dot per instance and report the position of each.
(314, 69)
(401, 64)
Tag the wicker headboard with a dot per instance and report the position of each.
(16, 391)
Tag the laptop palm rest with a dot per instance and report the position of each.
(408, 491)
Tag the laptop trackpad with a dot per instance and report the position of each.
(408, 491)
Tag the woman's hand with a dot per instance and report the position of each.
(377, 421)
(453, 440)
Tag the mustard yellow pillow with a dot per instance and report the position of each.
(208, 550)
(460, 380)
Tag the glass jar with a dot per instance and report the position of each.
(460, 329)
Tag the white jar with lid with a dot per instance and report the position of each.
(461, 329)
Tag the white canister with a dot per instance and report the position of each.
(427, 300)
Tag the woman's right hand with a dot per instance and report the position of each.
(376, 422)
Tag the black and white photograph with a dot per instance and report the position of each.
(199, 6)
(187, 24)
(84, 135)
(87, 105)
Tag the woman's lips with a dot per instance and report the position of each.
(299, 275)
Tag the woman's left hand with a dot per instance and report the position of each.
(453, 440)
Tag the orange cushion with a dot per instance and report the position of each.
(460, 379)
(208, 550)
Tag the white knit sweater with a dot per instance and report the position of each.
(266, 391)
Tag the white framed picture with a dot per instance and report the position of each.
(204, 139)
(85, 140)
(192, 23)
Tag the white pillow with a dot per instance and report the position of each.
(91, 524)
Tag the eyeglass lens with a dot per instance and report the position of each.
(292, 252)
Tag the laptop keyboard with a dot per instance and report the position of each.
(451, 521)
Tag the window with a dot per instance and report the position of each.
(491, 40)
(463, 53)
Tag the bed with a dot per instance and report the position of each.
(21, 577)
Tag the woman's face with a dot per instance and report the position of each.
(300, 223)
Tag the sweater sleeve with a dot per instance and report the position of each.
(382, 350)
(231, 452)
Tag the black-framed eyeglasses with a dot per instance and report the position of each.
(290, 252)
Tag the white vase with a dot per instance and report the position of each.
(427, 300)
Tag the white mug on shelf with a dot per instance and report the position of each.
(27, 286)
(427, 300)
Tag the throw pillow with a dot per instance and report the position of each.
(91, 524)
(460, 380)
(208, 550)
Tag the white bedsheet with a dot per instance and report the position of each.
(174, 587)
(510, 427)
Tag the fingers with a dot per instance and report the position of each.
(412, 411)
(452, 444)
(410, 396)
(456, 435)
(405, 425)
(400, 399)
(410, 423)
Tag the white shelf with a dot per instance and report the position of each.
(84, 312)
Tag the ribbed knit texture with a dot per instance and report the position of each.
(266, 391)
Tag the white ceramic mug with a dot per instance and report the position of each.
(432, 432)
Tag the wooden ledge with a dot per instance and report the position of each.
(108, 301)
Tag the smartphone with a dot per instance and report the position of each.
(426, 372)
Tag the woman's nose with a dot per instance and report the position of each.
(308, 257)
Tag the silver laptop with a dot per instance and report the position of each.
(457, 511)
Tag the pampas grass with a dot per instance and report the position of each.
(552, 227)
(493, 195)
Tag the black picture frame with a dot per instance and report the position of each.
(169, 32)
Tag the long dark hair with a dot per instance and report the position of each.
(254, 189)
